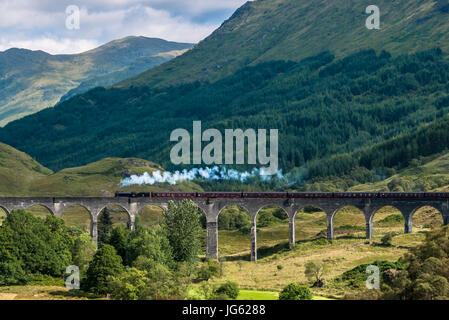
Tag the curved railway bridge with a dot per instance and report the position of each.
(212, 203)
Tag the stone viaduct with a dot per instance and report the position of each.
(407, 204)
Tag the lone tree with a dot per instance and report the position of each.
(315, 273)
(183, 227)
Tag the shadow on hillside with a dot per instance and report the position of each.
(265, 251)
(350, 237)
(262, 252)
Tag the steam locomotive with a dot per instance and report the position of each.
(280, 195)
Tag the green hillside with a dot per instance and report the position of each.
(413, 161)
(101, 178)
(429, 176)
(20, 175)
(33, 80)
(18, 170)
(321, 106)
(266, 30)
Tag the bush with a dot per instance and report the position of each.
(11, 273)
(295, 291)
(208, 270)
(233, 219)
(129, 285)
(280, 214)
(245, 230)
(392, 219)
(357, 277)
(387, 240)
(230, 289)
(150, 243)
(266, 219)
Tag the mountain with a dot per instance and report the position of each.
(33, 80)
(266, 30)
(320, 105)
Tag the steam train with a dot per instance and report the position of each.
(286, 195)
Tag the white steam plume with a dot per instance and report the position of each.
(215, 174)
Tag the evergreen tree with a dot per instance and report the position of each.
(104, 227)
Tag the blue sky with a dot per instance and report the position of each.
(41, 24)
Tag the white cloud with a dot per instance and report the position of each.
(40, 25)
(52, 46)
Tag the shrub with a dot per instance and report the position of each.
(280, 214)
(245, 230)
(392, 219)
(150, 243)
(387, 240)
(357, 277)
(208, 270)
(129, 285)
(295, 291)
(233, 219)
(230, 289)
(11, 273)
(266, 219)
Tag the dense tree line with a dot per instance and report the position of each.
(30, 245)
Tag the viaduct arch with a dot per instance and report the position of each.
(407, 204)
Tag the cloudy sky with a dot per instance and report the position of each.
(41, 24)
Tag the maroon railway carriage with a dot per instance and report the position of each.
(272, 195)
(283, 195)
(225, 195)
(175, 195)
(307, 195)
